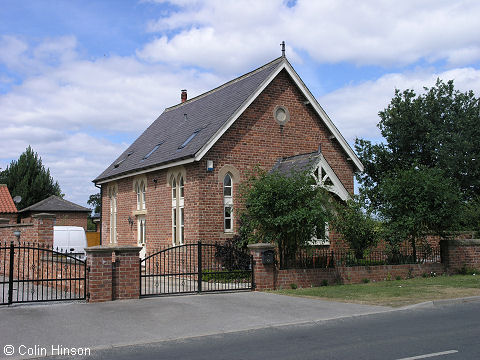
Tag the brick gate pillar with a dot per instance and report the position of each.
(114, 272)
(264, 273)
(460, 253)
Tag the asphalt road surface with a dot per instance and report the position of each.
(442, 332)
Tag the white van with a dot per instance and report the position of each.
(70, 239)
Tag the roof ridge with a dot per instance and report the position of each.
(41, 202)
(228, 83)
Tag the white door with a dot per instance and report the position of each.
(141, 225)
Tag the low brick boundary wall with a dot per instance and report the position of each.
(267, 276)
(350, 275)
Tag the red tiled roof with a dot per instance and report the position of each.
(6, 203)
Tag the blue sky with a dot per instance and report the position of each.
(80, 79)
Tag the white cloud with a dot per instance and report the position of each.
(225, 34)
(73, 112)
(354, 109)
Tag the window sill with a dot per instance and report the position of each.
(226, 235)
(140, 212)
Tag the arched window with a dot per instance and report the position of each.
(112, 194)
(178, 232)
(140, 191)
(228, 203)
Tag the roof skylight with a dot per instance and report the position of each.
(189, 139)
(117, 164)
(153, 150)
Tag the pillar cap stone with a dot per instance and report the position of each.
(261, 246)
(110, 249)
(462, 242)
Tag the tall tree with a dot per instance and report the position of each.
(28, 178)
(96, 201)
(418, 202)
(437, 129)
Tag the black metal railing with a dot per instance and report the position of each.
(315, 257)
(34, 273)
(192, 268)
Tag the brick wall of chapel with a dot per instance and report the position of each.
(255, 138)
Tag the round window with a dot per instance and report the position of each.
(281, 115)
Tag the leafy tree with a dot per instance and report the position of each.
(417, 202)
(357, 227)
(96, 201)
(287, 210)
(437, 129)
(28, 178)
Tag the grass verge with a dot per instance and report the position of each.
(395, 293)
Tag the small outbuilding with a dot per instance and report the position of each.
(66, 212)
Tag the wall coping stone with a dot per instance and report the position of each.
(462, 242)
(110, 249)
(16, 225)
(44, 215)
(261, 246)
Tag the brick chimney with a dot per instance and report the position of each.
(184, 96)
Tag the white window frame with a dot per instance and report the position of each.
(140, 190)
(178, 212)
(141, 231)
(325, 240)
(227, 203)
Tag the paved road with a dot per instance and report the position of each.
(159, 319)
(441, 332)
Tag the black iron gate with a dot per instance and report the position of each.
(194, 268)
(33, 273)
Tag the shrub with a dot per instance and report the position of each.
(365, 280)
(398, 277)
(232, 255)
(357, 227)
(293, 286)
(324, 282)
(467, 270)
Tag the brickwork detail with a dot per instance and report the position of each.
(460, 253)
(114, 273)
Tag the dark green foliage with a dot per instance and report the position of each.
(439, 129)
(466, 270)
(234, 276)
(417, 202)
(287, 210)
(232, 254)
(96, 201)
(91, 225)
(357, 227)
(28, 178)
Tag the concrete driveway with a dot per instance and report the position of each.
(162, 318)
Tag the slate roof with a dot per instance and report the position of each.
(297, 163)
(55, 204)
(6, 203)
(206, 113)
